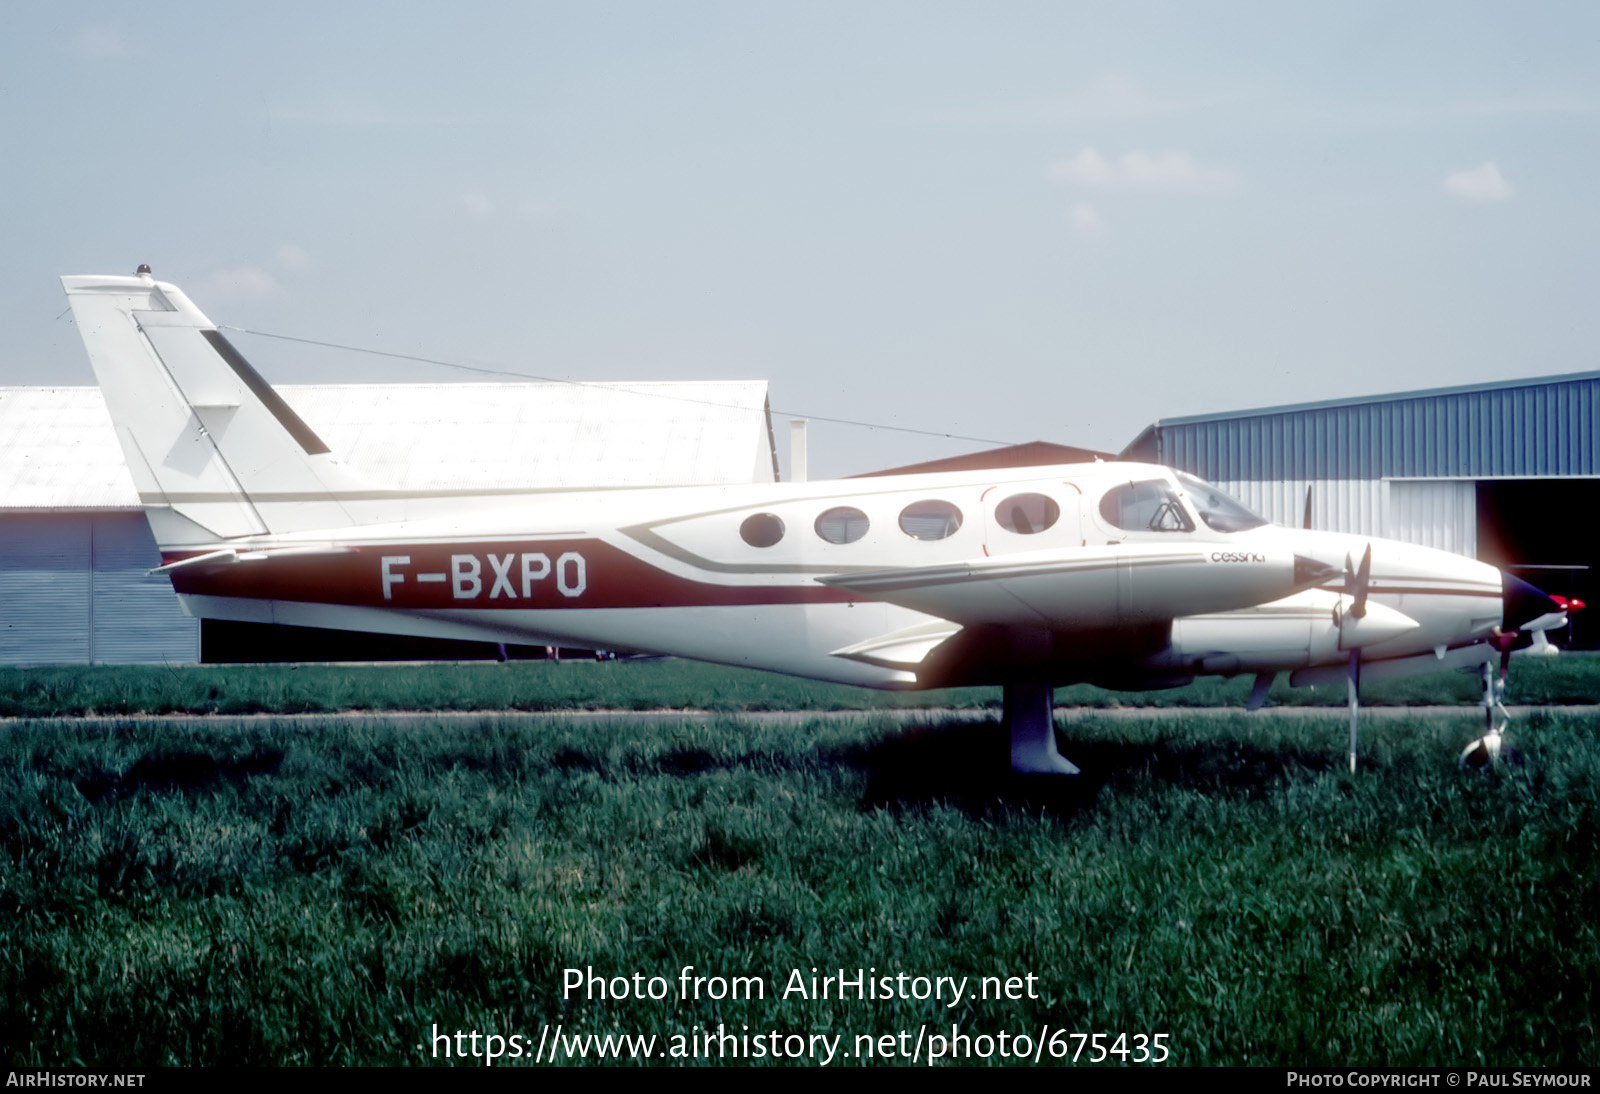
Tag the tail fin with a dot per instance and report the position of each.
(215, 452)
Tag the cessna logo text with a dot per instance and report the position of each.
(492, 577)
(1237, 556)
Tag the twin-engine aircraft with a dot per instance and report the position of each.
(1120, 574)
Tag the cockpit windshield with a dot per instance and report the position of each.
(1220, 512)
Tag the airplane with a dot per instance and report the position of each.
(1126, 575)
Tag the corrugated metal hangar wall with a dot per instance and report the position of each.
(76, 589)
(1505, 472)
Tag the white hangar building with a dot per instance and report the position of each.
(75, 549)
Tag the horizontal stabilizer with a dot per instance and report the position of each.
(231, 555)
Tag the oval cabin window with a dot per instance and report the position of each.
(1027, 514)
(844, 524)
(761, 530)
(930, 519)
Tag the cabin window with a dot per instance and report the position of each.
(1027, 514)
(931, 519)
(1145, 507)
(844, 524)
(761, 530)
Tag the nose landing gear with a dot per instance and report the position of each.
(1490, 750)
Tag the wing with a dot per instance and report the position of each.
(1091, 588)
(1078, 605)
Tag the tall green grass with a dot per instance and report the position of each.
(654, 685)
(276, 895)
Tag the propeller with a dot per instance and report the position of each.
(1355, 587)
(1356, 582)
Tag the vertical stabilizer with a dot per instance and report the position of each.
(207, 440)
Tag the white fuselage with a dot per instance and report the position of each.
(1070, 556)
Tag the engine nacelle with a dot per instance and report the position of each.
(1312, 627)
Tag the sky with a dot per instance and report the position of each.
(997, 222)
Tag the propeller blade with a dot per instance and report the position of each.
(1355, 583)
(1307, 523)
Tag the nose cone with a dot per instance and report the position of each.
(1522, 603)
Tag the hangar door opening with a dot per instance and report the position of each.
(1542, 530)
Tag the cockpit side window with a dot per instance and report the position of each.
(1220, 512)
(1145, 507)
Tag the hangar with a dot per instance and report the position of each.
(75, 549)
(1508, 472)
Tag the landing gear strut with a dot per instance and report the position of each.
(1030, 714)
(1490, 750)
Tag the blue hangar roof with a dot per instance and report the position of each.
(1510, 429)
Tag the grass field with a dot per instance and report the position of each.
(655, 685)
(196, 894)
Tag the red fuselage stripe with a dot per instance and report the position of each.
(547, 574)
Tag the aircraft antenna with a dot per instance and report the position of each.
(580, 383)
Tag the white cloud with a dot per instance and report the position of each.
(1086, 220)
(100, 41)
(1481, 183)
(478, 204)
(1087, 168)
(248, 281)
(293, 257)
(1172, 172)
